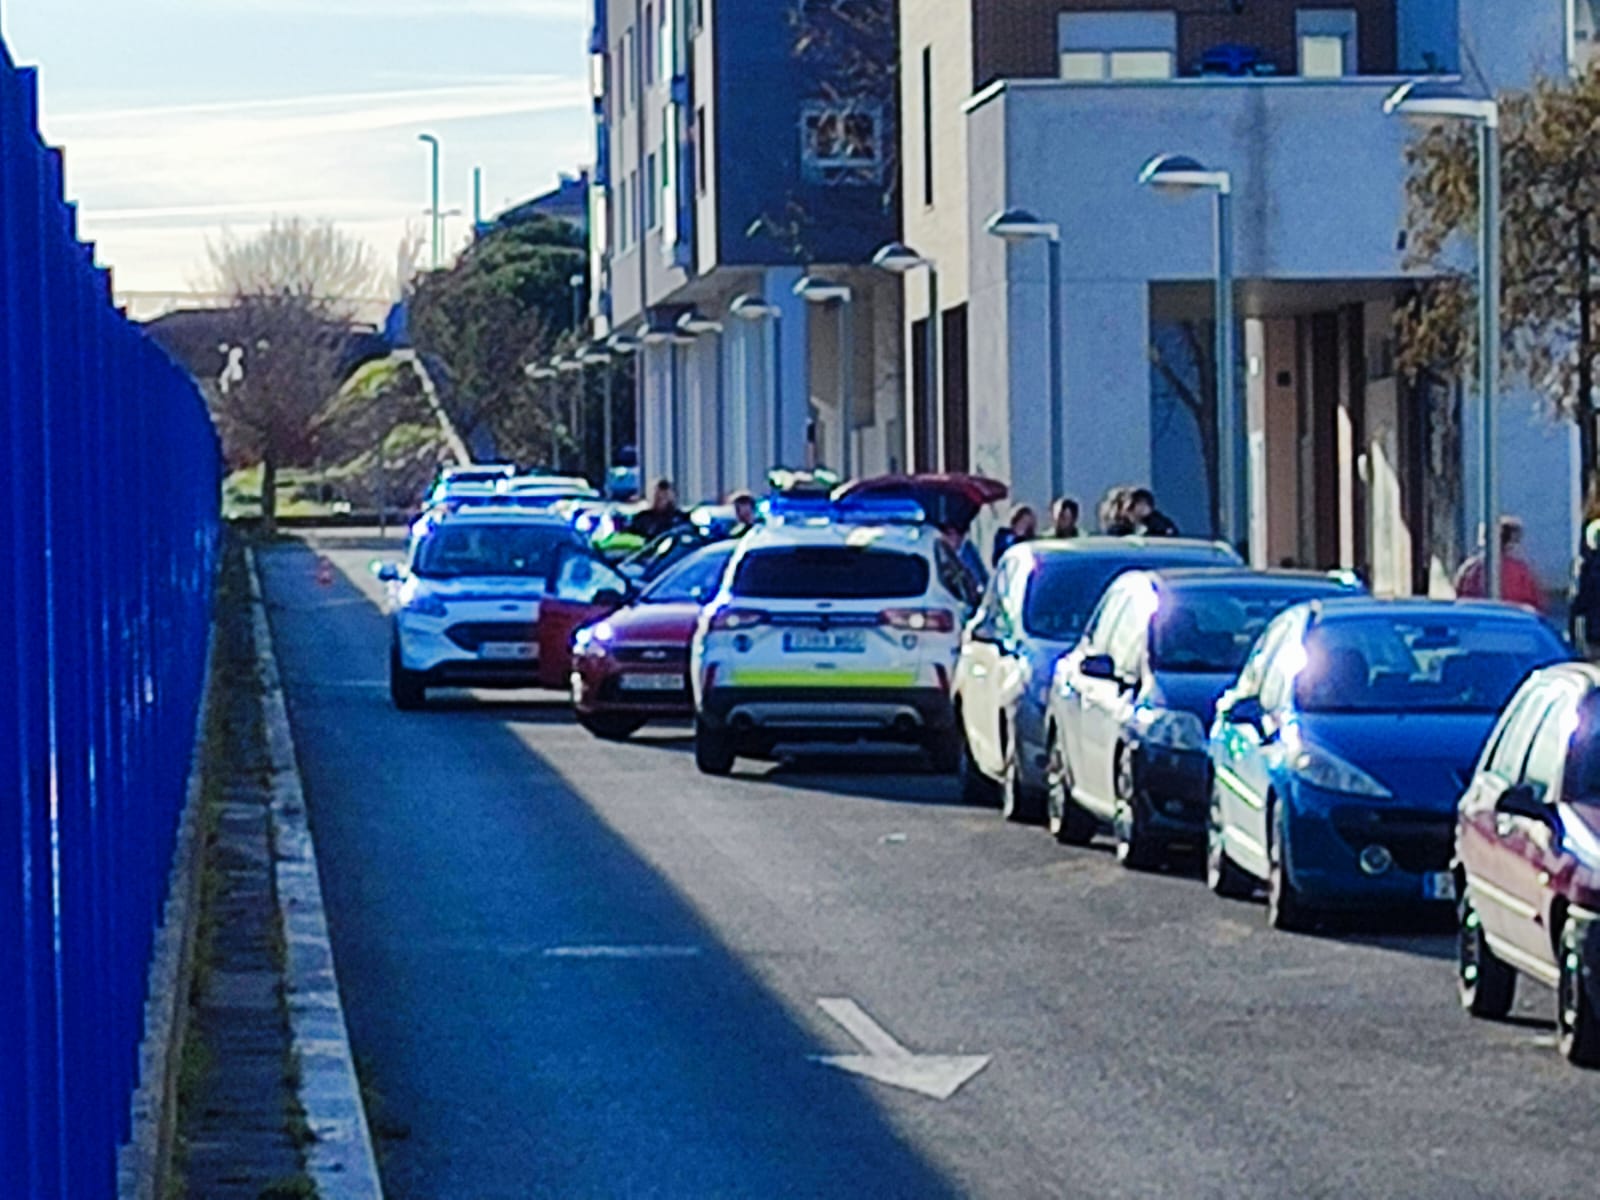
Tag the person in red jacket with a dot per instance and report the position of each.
(1518, 583)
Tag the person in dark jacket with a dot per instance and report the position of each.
(1147, 518)
(1064, 515)
(1023, 527)
(662, 514)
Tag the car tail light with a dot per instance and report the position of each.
(919, 620)
(729, 619)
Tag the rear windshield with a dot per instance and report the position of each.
(1440, 662)
(830, 573)
(1209, 631)
(1066, 587)
(518, 551)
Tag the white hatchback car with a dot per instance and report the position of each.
(467, 604)
(833, 624)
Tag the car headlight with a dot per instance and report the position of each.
(1169, 729)
(1314, 765)
(424, 604)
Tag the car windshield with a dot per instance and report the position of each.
(452, 551)
(830, 573)
(693, 580)
(1210, 630)
(1440, 661)
(1066, 587)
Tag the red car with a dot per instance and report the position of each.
(632, 666)
(1528, 858)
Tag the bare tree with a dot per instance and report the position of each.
(1191, 379)
(295, 290)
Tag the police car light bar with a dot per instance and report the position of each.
(851, 510)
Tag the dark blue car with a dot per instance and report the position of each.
(1341, 752)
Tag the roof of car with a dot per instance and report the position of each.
(1358, 605)
(1188, 578)
(827, 533)
(503, 515)
(1587, 674)
(1122, 547)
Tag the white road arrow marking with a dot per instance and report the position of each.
(887, 1061)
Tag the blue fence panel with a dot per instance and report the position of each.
(110, 473)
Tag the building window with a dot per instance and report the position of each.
(650, 192)
(1585, 26)
(927, 125)
(1327, 38)
(701, 147)
(648, 45)
(840, 143)
(1117, 45)
(635, 205)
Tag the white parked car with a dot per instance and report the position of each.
(467, 603)
(834, 623)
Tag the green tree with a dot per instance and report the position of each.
(1550, 136)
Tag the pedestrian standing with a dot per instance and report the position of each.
(1116, 516)
(1023, 527)
(1585, 608)
(1149, 519)
(1064, 518)
(1518, 584)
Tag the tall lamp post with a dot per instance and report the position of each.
(576, 281)
(757, 311)
(822, 292)
(433, 142)
(1179, 174)
(900, 259)
(599, 356)
(1015, 226)
(539, 373)
(573, 365)
(1429, 100)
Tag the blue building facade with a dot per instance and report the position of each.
(729, 163)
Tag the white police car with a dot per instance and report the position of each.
(467, 605)
(835, 622)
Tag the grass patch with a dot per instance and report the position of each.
(297, 1187)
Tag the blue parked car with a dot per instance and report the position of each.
(1339, 755)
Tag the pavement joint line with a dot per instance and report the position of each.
(340, 1161)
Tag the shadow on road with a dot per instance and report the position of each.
(455, 859)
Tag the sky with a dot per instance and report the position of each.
(183, 118)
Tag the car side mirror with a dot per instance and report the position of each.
(1247, 710)
(387, 572)
(984, 633)
(1100, 666)
(609, 598)
(1526, 800)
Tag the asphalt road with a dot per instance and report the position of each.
(579, 969)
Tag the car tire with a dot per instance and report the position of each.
(1286, 910)
(714, 750)
(1019, 802)
(977, 789)
(1485, 984)
(1137, 850)
(1577, 1021)
(406, 689)
(1068, 823)
(1223, 876)
(611, 727)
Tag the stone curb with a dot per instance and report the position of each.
(340, 1159)
(144, 1162)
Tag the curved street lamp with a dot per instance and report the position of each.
(1016, 226)
(900, 259)
(817, 291)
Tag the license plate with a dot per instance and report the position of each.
(1438, 885)
(653, 683)
(509, 651)
(825, 641)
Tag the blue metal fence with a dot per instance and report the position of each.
(109, 478)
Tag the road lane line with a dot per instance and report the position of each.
(622, 952)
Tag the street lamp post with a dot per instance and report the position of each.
(576, 281)
(599, 356)
(931, 436)
(758, 311)
(540, 373)
(433, 142)
(696, 325)
(1177, 173)
(819, 291)
(573, 365)
(1426, 100)
(1013, 226)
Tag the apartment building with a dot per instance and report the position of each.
(730, 165)
(1053, 107)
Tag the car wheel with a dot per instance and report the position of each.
(612, 727)
(714, 749)
(1577, 1023)
(1223, 876)
(1068, 823)
(1136, 848)
(406, 689)
(1485, 984)
(1018, 801)
(977, 788)
(1286, 911)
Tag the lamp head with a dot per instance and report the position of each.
(1020, 225)
(820, 291)
(693, 323)
(623, 343)
(1179, 173)
(899, 258)
(753, 308)
(1440, 100)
